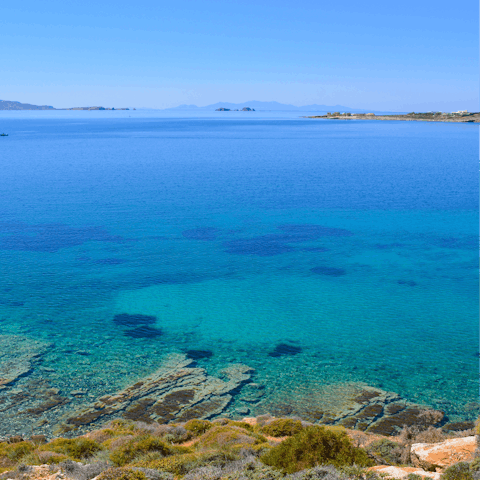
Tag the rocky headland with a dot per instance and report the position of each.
(10, 105)
(415, 117)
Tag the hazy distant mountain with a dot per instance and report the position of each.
(10, 105)
(257, 105)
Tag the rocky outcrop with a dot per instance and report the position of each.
(403, 472)
(17, 355)
(177, 391)
(441, 455)
(361, 407)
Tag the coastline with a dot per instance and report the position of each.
(420, 117)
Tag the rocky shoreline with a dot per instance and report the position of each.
(254, 448)
(179, 390)
(412, 117)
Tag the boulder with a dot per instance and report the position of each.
(441, 455)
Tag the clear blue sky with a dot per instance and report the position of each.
(375, 54)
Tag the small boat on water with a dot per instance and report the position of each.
(3, 134)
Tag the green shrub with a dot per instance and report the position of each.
(16, 451)
(225, 436)
(122, 474)
(182, 464)
(313, 446)
(386, 451)
(198, 427)
(414, 476)
(282, 427)
(459, 471)
(76, 448)
(475, 465)
(243, 425)
(138, 447)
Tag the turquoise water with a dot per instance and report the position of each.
(316, 252)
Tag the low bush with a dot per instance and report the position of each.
(16, 451)
(431, 435)
(122, 474)
(183, 464)
(198, 427)
(282, 427)
(385, 451)
(244, 425)
(76, 448)
(225, 436)
(458, 471)
(177, 434)
(137, 447)
(314, 446)
(475, 465)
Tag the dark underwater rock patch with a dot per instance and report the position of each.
(314, 249)
(284, 349)
(312, 232)
(12, 303)
(50, 237)
(181, 278)
(201, 233)
(199, 354)
(263, 246)
(409, 283)
(329, 271)
(458, 426)
(129, 320)
(386, 246)
(466, 242)
(278, 243)
(110, 261)
(143, 332)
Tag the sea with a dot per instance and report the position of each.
(317, 252)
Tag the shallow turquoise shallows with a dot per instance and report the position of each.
(313, 251)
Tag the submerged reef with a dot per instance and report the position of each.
(329, 271)
(17, 357)
(178, 391)
(144, 332)
(201, 233)
(128, 320)
(50, 237)
(32, 394)
(199, 354)
(279, 243)
(284, 349)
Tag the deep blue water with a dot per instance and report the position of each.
(288, 244)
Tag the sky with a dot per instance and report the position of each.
(407, 55)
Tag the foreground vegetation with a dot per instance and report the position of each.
(222, 449)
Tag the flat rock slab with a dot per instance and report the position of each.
(17, 355)
(359, 406)
(444, 454)
(403, 472)
(176, 392)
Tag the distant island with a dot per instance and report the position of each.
(244, 109)
(92, 108)
(11, 105)
(273, 106)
